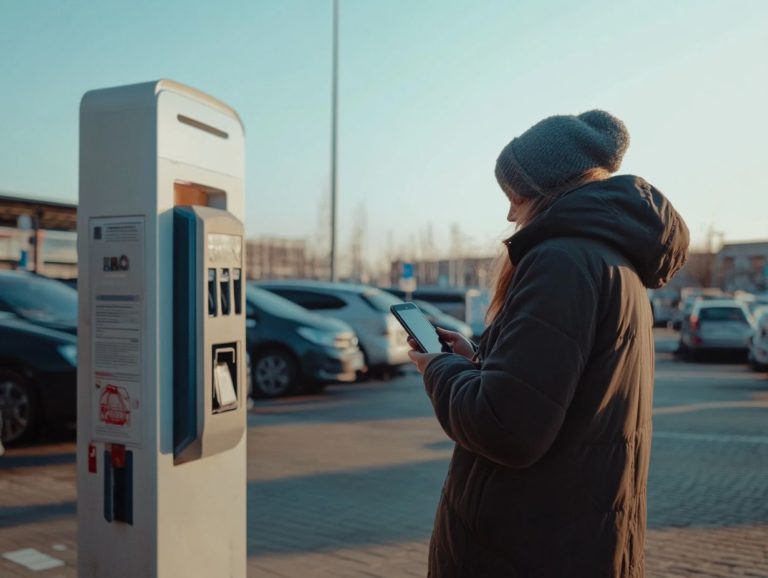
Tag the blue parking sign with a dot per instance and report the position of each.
(407, 271)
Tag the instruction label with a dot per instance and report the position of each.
(118, 328)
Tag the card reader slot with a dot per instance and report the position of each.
(224, 291)
(212, 292)
(238, 290)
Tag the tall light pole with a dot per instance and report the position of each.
(334, 123)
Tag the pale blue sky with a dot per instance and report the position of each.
(430, 91)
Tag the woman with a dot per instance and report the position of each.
(552, 414)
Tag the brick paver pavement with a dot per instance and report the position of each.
(345, 484)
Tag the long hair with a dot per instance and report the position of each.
(502, 270)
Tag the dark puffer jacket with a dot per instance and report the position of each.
(553, 426)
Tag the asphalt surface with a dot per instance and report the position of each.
(345, 483)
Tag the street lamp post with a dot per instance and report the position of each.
(334, 122)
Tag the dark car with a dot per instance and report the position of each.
(38, 300)
(293, 350)
(38, 378)
(366, 309)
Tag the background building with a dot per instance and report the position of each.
(38, 235)
(742, 266)
(281, 258)
(460, 272)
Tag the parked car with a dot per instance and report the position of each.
(758, 344)
(293, 350)
(38, 300)
(688, 297)
(38, 378)
(382, 339)
(716, 324)
(758, 302)
(465, 304)
(440, 319)
(69, 282)
(663, 306)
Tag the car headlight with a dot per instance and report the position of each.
(69, 353)
(318, 337)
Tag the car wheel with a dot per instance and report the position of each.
(20, 407)
(757, 366)
(275, 374)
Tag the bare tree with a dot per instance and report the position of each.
(427, 243)
(357, 246)
(317, 254)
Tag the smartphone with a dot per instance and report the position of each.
(418, 326)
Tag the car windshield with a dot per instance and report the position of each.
(380, 300)
(722, 314)
(275, 304)
(40, 300)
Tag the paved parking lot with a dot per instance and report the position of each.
(344, 484)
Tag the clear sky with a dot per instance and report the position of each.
(430, 91)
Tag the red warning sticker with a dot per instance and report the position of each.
(115, 406)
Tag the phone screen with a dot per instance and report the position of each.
(418, 326)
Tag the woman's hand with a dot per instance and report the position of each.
(459, 345)
(420, 360)
(457, 342)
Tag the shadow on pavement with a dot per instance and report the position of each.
(36, 460)
(344, 510)
(16, 516)
(348, 403)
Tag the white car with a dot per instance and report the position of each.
(381, 338)
(758, 345)
(717, 324)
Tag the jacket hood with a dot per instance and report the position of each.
(624, 212)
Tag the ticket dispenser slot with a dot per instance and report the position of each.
(209, 332)
(224, 378)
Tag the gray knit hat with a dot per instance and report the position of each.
(560, 148)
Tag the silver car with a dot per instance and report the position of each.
(758, 345)
(717, 324)
(366, 309)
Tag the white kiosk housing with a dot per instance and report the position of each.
(162, 396)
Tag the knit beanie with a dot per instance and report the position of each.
(560, 148)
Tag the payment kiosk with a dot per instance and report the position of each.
(162, 387)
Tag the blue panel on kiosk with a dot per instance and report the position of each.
(185, 311)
